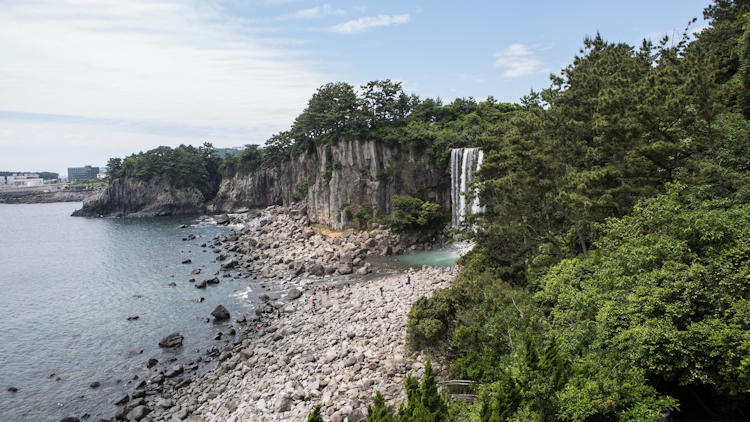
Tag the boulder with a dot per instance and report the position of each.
(220, 313)
(187, 261)
(213, 280)
(344, 269)
(293, 293)
(283, 404)
(122, 400)
(138, 413)
(172, 340)
(317, 270)
(200, 284)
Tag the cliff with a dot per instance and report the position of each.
(136, 198)
(353, 172)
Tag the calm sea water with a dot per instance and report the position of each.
(67, 286)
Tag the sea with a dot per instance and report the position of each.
(67, 288)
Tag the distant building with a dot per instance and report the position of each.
(24, 180)
(2, 180)
(82, 173)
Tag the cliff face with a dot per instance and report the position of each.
(357, 172)
(135, 198)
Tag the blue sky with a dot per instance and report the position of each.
(84, 80)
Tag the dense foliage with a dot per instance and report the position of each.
(410, 212)
(611, 274)
(381, 111)
(182, 167)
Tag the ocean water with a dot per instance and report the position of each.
(67, 287)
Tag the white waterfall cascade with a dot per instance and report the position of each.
(464, 163)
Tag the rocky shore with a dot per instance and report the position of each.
(37, 197)
(286, 357)
(279, 243)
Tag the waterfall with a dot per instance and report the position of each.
(464, 162)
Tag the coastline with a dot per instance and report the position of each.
(38, 197)
(337, 356)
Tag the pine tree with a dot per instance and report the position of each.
(379, 412)
(315, 415)
(424, 401)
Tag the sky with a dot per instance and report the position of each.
(85, 80)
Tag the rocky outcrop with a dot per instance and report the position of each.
(353, 172)
(30, 196)
(136, 198)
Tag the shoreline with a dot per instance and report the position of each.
(279, 249)
(39, 197)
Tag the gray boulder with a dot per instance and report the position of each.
(220, 313)
(293, 293)
(317, 270)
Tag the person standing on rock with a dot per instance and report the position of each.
(408, 280)
(381, 291)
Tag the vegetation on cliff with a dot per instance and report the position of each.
(611, 274)
(183, 167)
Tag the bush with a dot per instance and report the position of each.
(364, 214)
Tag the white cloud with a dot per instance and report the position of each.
(361, 24)
(517, 60)
(318, 12)
(166, 62)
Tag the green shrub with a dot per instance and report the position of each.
(364, 214)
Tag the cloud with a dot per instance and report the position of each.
(361, 24)
(160, 62)
(318, 12)
(517, 60)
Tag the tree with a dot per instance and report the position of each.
(315, 415)
(379, 412)
(424, 402)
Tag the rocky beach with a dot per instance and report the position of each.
(294, 352)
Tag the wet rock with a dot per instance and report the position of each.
(70, 419)
(133, 318)
(200, 284)
(172, 284)
(122, 400)
(172, 340)
(12, 389)
(213, 280)
(220, 313)
(95, 384)
(174, 371)
(187, 261)
(195, 271)
(198, 299)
